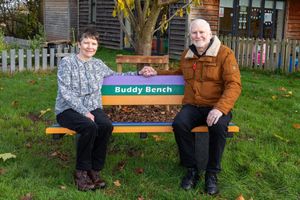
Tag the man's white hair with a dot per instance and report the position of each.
(199, 22)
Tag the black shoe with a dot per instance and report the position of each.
(190, 180)
(211, 184)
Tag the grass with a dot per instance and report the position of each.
(261, 162)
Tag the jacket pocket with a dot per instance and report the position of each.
(211, 72)
(188, 73)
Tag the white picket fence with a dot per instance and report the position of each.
(270, 55)
(27, 59)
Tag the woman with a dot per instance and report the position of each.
(79, 108)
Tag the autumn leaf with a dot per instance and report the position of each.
(139, 170)
(240, 198)
(43, 112)
(60, 155)
(6, 156)
(14, 103)
(140, 198)
(296, 126)
(117, 183)
(32, 82)
(274, 97)
(2, 171)
(62, 187)
(282, 89)
(28, 196)
(157, 138)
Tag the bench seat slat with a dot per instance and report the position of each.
(137, 127)
(142, 100)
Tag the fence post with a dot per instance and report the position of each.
(12, 60)
(4, 61)
(267, 53)
(272, 55)
(29, 59)
(36, 59)
(21, 59)
(44, 58)
(58, 57)
(52, 58)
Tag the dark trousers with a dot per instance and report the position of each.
(189, 117)
(93, 137)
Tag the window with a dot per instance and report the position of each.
(252, 18)
(92, 11)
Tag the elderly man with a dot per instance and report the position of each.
(212, 86)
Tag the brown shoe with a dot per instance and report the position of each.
(98, 182)
(83, 181)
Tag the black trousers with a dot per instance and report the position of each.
(93, 137)
(189, 117)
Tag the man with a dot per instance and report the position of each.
(212, 86)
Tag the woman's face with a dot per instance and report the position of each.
(88, 48)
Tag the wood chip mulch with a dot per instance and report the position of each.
(141, 113)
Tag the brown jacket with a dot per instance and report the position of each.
(211, 80)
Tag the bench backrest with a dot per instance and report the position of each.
(137, 59)
(138, 90)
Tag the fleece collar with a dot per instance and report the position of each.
(211, 51)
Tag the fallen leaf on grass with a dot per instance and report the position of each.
(281, 138)
(6, 156)
(28, 145)
(282, 89)
(296, 126)
(28, 196)
(140, 198)
(32, 82)
(139, 170)
(274, 97)
(117, 183)
(2, 171)
(60, 155)
(14, 103)
(62, 187)
(157, 138)
(240, 198)
(120, 166)
(43, 112)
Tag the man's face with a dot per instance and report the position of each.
(200, 35)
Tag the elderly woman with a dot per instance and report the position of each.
(79, 108)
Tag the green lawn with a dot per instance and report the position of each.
(261, 162)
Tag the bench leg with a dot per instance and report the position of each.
(201, 150)
(143, 135)
(57, 136)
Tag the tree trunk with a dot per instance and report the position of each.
(144, 44)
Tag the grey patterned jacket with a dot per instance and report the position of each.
(80, 83)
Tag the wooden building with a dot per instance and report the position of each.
(277, 19)
(60, 19)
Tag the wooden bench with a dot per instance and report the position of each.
(138, 90)
(157, 90)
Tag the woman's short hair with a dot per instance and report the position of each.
(89, 33)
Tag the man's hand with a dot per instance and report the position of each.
(213, 117)
(90, 116)
(147, 71)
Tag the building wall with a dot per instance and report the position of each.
(208, 11)
(107, 26)
(57, 20)
(179, 26)
(293, 20)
